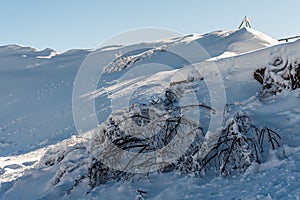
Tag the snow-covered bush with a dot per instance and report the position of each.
(281, 74)
(149, 127)
(142, 129)
(125, 61)
(237, 147)
(78, 161)
(240, 144)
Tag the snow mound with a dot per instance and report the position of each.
(222, 43)
(218, 44)
(25, 51)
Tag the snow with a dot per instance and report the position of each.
(41, 154)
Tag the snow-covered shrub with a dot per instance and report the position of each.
(69, 159)
(142, 129)
(125, 61)
(237, 147)
(240, 144)
(149, 127)
(58, 153)
(77, 161)
(281, 74)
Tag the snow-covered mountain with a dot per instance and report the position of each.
(37, 122)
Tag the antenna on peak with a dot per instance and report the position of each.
(245, 22)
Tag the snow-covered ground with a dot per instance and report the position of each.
(36, 118)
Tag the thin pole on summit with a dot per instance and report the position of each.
(246, 22)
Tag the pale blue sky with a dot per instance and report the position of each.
(67, 24)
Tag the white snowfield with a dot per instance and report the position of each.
(42, 155)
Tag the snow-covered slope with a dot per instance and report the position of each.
(36, 86)
(35, 106)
